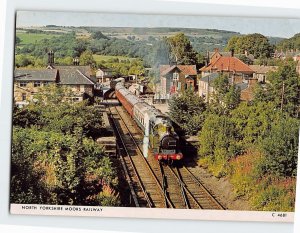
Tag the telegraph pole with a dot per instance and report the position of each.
(282, 96)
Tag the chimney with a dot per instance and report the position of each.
(207, 60)
(232, 52)
(76, 61)
(50, 58)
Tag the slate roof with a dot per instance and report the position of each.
(75, 75)
(231, 64)
(86, 70)
(185, 69)
(263, 69)
(35, 75)
(210, 77)
(242, 86)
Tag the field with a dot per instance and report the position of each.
(31, 38)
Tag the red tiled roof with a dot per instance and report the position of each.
(185, 69)
(231, 64)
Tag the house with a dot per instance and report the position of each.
(79, 80)
(104, 75)
(234, 67)
(206, 87)
(292, 53)
(212, 56)
(27, 83)
(176, 79)
(260, 72)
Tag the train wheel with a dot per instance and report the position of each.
(170, 162)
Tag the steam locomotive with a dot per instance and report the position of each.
(159, 135)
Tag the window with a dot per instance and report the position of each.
(23, 97)
(179, 86)
(23, 84)
(175, 76)
(37, 84)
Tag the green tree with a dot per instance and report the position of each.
(181, 49)
(253, 121)
(63, 163)
(86, 58)
(17, 41)
(217, 143)
(225, 97)
(292, 43)
(280, 148)
(23, 61)
(255, 44)
(187, 110)
(283, 89)
(98, 35)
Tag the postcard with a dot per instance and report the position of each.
(123, 115)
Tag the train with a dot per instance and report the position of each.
(160, 137)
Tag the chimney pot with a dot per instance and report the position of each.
(232, 52)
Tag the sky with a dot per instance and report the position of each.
(267, 26)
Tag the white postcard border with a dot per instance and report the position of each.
(154, 213)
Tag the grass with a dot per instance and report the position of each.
(31, 38)
(99, 58)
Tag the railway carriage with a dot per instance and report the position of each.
(159, 134)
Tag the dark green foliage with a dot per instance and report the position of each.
(253, 121)
(98, 35)
(86, 58)
(187, 110)
(17, 41)
(25, 117)
(25, 185)
(245, 59)
(56, 167)
(54, 160)
(283, 89)
(280, 148)
(225, 97)
(255, 44)
(181, 49)
(290, 44)
(218, 137)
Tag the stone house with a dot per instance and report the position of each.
(27, 83)
(260, 72)
(79, 80)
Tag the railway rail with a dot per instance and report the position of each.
(144, 183)
(162, 186)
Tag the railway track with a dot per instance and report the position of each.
(144, 183)
(178, 187)
(200, 193)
